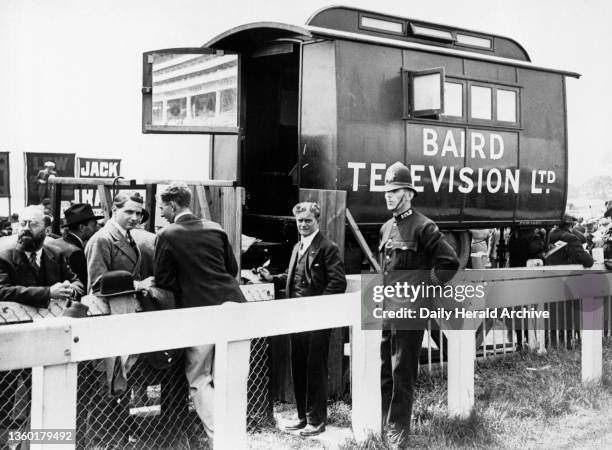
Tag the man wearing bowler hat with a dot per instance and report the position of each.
(408, 241)
(81, 223)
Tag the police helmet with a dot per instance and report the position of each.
(397, 176)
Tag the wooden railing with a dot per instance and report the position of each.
(53, 347)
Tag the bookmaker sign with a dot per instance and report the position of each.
(95, 168)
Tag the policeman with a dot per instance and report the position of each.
(409, 241)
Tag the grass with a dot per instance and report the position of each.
(521, 401)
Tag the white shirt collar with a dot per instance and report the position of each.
(122, 230)
(306, 241)
(184, 213)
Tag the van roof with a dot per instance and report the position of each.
(360, 25)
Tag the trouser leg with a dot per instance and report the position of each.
(298, 371)
(316, 375)
(386, 374)
(405, 352)
(199, 372)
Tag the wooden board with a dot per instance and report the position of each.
(332, 225)
(226, 210)
(333, 217)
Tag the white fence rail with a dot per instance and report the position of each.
(54, 346)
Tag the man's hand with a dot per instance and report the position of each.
(264, 274)
(145, 284)
(61, 291)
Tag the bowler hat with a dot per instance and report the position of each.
(398, 176)
(79, 212)
(115, 283)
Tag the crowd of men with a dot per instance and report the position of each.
(191, 258)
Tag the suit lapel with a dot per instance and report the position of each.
(292, 263)
(49, 265)
(122, 243)
(23, 268)
(314, 248)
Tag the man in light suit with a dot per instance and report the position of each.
(194, 260)
(315, 268)
(113, 247)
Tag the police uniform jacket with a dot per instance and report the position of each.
(412, 241)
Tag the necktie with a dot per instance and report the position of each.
(34, 263)
(131, 241)
(301, 249)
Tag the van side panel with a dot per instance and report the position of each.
(543, 146)
(319, 117)
(370, 129)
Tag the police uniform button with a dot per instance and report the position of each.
(386, 273)
(404, 248)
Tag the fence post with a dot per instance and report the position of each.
(592, 335)
(461, 357)
(54, 398)
(231, 375)
(365, 378)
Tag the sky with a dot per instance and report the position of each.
(72, 69)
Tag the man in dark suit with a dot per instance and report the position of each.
(82, 224)
(315, 268)
(31, 272)
(194, 260)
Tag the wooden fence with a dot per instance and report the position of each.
(53, 347)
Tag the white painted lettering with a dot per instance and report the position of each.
(416, 178)
(374, 177)
(430, 144)
(356, 166)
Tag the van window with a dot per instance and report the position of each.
(506, 105)
(423, 92)
(481, 102)
(453, 99)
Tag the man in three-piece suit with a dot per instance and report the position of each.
(194, 260)
(82, 224)
(315, 268)
(113, 247)
(31, 273)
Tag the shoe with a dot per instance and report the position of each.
(296, 425)
(396, 439)
(313, 430)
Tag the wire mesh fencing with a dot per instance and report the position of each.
(135, 401)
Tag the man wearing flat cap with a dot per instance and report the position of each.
(408, 241)
(82, 224)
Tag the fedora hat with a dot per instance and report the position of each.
(79, 212)
(115, 283)
(398, 176)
